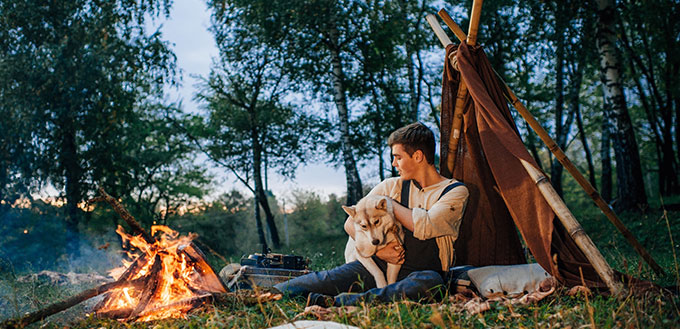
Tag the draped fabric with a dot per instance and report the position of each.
(503, 199)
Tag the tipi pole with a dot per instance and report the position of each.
(564, 160)
(586, 245)
(574, 229)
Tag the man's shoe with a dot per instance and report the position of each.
(320, 300)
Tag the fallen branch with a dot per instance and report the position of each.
(124, 214)
(64, 304)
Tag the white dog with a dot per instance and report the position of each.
(374, 227)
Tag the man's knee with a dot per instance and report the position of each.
(427, 278)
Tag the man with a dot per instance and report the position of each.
(430, 208)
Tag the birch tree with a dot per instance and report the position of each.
(630, 186)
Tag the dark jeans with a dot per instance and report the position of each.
(351, 283)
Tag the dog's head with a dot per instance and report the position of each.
(373, 218)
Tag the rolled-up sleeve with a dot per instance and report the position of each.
(444, 216)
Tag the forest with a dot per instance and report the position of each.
(83, 88)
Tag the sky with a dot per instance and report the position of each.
(193, 44)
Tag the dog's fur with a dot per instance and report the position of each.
(374, 227)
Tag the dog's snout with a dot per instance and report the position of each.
(375, 242)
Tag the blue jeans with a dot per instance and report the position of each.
(351, 283)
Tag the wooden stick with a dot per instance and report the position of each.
(571, 168)
(452, 25)
(574, 229)
(474, 22)
(461, 96)
(456, 124)
(62, 305)
(125, 215)
(438, 31)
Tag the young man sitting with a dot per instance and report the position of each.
(430, 208)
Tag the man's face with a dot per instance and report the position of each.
(406, 164)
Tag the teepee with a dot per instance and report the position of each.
(481, 146)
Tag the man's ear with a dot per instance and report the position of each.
(418, 155)
(351, 211)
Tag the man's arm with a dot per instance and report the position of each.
(404, 215)
(443, 218)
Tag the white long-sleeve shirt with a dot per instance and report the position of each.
(432, 217)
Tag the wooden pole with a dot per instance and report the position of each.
(457, 121)
(574, 229)
(474, 22)
(571, 168)
(452, 25)
(438, 31)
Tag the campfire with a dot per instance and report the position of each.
(167, 277)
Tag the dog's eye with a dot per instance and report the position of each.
(376, 222)
(364, 226)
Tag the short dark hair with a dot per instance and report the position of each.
(413, 137)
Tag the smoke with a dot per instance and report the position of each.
(31, 241)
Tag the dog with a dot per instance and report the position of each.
(374, 227)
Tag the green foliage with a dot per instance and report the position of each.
(81, 86)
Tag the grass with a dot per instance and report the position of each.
(654, 228)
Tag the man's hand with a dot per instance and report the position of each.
(392, 253)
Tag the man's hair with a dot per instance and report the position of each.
(413, 137)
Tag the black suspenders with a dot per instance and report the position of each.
(406, 189)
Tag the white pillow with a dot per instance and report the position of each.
(507, 281)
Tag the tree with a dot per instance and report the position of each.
(321, 36)
(82, 81)
(650, 39)
(247, 118)
(630, 187)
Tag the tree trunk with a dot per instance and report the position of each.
(354, 189)
(259, 188)
(586, 148)
(531, 145)
(630, 186)
(556, 168)
(606, 159)
(72, 173)
(413, 99)
(258, 221)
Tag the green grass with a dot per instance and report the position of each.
(557, 310)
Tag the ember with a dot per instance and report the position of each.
(170, 274)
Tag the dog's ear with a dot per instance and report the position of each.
(351, 211)
(382, 204)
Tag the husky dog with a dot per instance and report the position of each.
(374, 227)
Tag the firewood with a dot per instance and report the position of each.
(188, 303)
(129, 272)
(124, 214)
(150, 288)
(120, 313)
(62, 305)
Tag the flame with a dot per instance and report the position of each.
(161, 289)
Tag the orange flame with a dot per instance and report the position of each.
(160, 290)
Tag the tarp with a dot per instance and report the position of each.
(504, 200)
